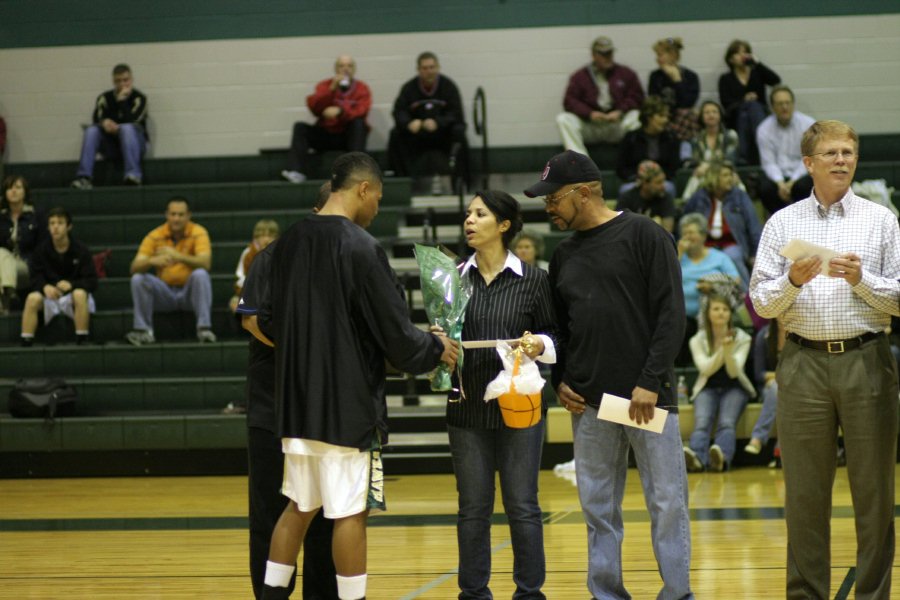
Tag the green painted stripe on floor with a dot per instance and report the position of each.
(764, 513)
(844, 591)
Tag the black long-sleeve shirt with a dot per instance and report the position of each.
(510, 306)
(637, 146)
(620, 306)
(732, 91)
(132, 109)
(337, 312)
(443, 104)
(75, 265)
(683, 94)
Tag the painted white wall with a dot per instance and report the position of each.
(232, 97)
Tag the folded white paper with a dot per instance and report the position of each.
(615, 410)
(485, 343)
(798, 249)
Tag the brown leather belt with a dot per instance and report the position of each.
(837, 346)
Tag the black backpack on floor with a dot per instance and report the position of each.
(42, 398)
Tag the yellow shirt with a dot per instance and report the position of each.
(195, 242)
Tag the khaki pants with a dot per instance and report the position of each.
(13, 270)
(817, 393)
(575, 133)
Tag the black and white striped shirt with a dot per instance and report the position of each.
(516, 301)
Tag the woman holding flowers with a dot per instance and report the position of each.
(509, 299)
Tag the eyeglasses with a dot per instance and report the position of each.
(832, 155)
(551, 201)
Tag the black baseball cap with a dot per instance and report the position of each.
(563, 169)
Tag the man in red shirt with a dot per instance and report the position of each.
(340, 104)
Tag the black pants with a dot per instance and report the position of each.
(266, 464)
(410, 155)
(768, 192)
(305, 136)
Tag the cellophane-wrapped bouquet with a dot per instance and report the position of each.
(446, 296)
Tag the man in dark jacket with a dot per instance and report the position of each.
(63, 277)
(428, 115)
(601, 102)
(119, 129)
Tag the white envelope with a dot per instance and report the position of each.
(798, 249)
(615, 410)
(485, 343)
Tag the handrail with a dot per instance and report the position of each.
(479, 116)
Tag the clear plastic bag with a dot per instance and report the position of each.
(517, 388)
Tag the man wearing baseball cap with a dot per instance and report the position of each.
(602, 101)
(617, 291)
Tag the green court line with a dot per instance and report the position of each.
(764, 513)
(844, 591)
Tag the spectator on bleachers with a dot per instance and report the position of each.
(712, 142)
(732, 223)
(264, 233)
(341, 105)
(650, 196)
(601, 102)
(778, 137)
(699, 263)
(651, 142)
(742, 91)
(62, 278)
(119, 129)
(22, 228)
(529, 247)
(722, 389)
(678, 86)
(180, 254)
(428, 118)
(766, 348)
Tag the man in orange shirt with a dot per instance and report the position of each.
(180, 254)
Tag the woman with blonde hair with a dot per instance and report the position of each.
(678, 86)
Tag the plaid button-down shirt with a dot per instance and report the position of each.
(828, 308)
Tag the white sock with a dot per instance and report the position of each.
(28, 336)
(351, 588)
(82, 332)
(278, 575)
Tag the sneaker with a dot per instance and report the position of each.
(692, 461)
(140, 337)
(716, 459)
(293, 176)
(82, 183)
(234, 409)
(753, 447)
(205, 336)
(775, 463)
(132, 180)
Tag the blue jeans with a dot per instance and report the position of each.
(729, 402)
(750, 115)
(516, 454)
(151, 294)
(601, 464)
(129, 143)
(766, 417)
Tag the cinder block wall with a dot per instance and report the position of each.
(234, 96)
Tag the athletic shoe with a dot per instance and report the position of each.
(752, 448)
(716, 459)
(132, 180)
(205, 336)
(293, 176)
(82, 183)
(692, 461)
(139, 337)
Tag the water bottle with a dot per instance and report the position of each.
(682, 390)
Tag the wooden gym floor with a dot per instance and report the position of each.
(185, 538)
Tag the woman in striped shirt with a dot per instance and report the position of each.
(509, 298)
